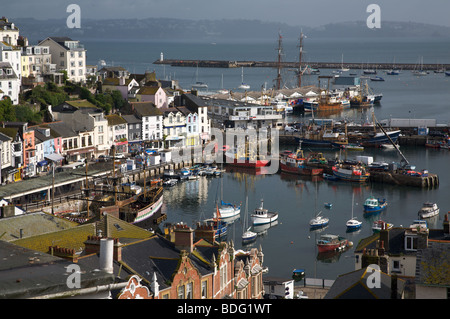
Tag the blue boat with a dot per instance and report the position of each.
(328, 205)
(374, 205)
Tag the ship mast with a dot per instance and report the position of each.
(278, 79)
(300, 72)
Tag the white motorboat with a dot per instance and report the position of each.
(262, 216)
(318, 221)
(428, 210)
(353, 223)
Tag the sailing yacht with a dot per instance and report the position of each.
(243, 86)
(420, 71)
(222, 90)
(198, 84)
(342, 69)
(247, 235)
(353, 223)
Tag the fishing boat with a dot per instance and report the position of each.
(140, 207)
(330, 177)
(328, 242)
(262, 216)
(350, 172)
(298, 274)
(370, 71)
(393, 72)
(318, 221)
(328, 205)
(374, 205)
(353, 223)
(248, 236)
(428, 210)
(379, 138)
(244, 157)
(170, 182)
(447, 73)
(295, 163)
(378, 225)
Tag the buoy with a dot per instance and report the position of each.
(292, 242)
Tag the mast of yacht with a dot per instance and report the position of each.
(300, 72)
(278, 79)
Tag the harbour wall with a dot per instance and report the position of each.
(315, 65)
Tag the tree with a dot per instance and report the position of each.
(7, 112)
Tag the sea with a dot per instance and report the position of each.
(290, 244)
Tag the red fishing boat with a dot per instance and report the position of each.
(295, 163)
(329, 242)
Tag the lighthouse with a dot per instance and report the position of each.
(162, 57)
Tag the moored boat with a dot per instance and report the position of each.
(318, 222)
(350, 172)
(353, 223)
(262, 216)
(428, 210)
(295, 163)
(374, 205)
(228, 210)
(328, 242)
(378, 225)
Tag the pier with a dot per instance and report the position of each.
(294, 65)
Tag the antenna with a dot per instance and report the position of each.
(278, 79)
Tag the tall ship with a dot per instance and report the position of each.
(139, 207)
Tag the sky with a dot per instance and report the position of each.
(293, 12)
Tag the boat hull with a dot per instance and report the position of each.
(381, 138)
(246, 162)
(347, 175)
(148, 211)
(332, 246)
(261, 220)
(300, 170)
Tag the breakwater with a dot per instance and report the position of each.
(315, 65)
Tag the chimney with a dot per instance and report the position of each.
(184, 237)
(106, 254)
(446, 225)
(93, 246)
(206, 232)
(384, 237)
(394, 288)
(381, 249)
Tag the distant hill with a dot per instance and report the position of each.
(215, 30)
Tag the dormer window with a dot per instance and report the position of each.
(411, 243)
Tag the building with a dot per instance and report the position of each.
(198, 106)
(154, 94)
(113, 72)
(174, 126)
(48, 142)
(9, 83)
(9, 32)
(396, 250)
(14, 173)
(152, 123)
(135, 143)
(37, 61)
(278, 288)
(5, 156)
(126, 86)
(68, 55)
(118, 133)
(90, 124)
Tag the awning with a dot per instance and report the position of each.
(55, 157)
(42, 163)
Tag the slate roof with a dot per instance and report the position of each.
(396, 242)
(25, 273)
(354, 285)
(146, 109)
(433, 265)
(32, 224)
(131, 119)
(115, 119)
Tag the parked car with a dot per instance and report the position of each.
(290, 129)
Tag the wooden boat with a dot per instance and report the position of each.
(142, 206)
(428, 210)
(330, 242)
(295, 163)
(374, 205)
(262, 216)
(350, 172)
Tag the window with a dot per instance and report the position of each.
(204, 289)
(410, 243)
(181, 292)
(396, 266)
(189, 291)
(100, 129)
(223, 276)
(61, 54)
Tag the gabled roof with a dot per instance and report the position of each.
(145, 109)
(354, 285)
(131, 119)
(149, 90)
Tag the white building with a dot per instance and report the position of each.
(9, 33)
(5, 157)
(38, 60)
(152, 122)
(117, 133)
(9, 82)
(13, 55)
(69, 55)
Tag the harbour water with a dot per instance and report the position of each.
(290, 244)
